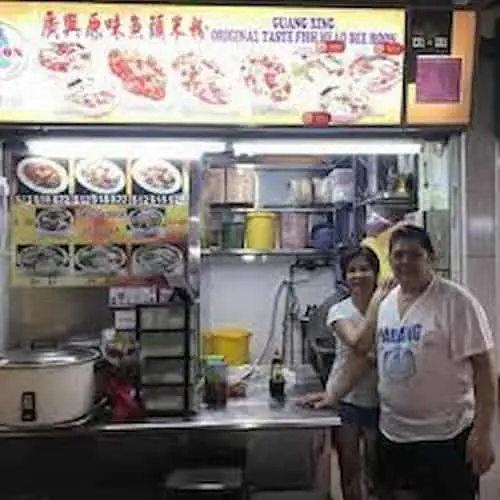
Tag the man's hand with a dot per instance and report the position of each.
(480, 453)
(316, 400)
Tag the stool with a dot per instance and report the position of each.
(288, 495)
(222, 483)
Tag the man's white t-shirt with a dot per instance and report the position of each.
(425, 375)
(365, 392)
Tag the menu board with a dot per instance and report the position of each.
(97, 222)
(219, 65)
(440, 60)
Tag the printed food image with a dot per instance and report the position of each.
(202, 78)
(43, 260)
(141, 75)
(158, 260)
(54, 220)
(91, 97)
(321, 68)
(145, 221)
(101, 176)
(376, 74)
(267, 77)
(42, 175)
(64, 57)
(157, 176)
(102, 260)
(343, 104)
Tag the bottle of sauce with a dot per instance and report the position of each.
(277, 379)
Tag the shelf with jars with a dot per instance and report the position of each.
(276, 210)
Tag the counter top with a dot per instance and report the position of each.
(255, 412)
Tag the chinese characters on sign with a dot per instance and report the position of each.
(95, 26)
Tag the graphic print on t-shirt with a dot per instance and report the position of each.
(398, 343)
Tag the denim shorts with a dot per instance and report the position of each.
(360, 416)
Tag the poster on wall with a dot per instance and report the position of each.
(97, 222)
(440, 63)
(219, 65)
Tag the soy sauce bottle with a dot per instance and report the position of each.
(277, 379)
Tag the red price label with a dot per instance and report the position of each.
(390, 49)
(332, 47)
(316, 119)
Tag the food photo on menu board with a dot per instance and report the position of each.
(100, 176)
(184, 64)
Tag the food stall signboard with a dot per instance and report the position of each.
(219, 65)
(441, 49)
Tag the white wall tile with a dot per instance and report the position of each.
(235, 293)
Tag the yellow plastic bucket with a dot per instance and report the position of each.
(232, 343)
(260, 231)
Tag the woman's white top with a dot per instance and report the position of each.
(365, 392)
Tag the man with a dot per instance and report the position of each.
(437, 382)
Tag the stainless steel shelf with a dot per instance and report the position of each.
(304, 252)
(311, 209)
(389, 200)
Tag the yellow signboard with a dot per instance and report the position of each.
(97, 222)
(170, 64)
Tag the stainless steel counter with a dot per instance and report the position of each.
(255, 412)
(238, 415)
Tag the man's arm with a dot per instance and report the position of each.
(486, 390)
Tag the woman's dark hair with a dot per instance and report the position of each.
(410, 232)
(352, 253)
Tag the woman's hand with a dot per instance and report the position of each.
(316, 400)
(383, 290)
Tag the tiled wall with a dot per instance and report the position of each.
(481, 245)
(241, 294)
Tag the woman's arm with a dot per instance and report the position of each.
(342, 380)
(361, 336)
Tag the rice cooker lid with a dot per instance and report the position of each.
(43, 358)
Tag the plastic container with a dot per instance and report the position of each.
(231, 343)
(240, 186)
(323, 236)
(214, 182)
(260, 231)
(293, 231)
(215, 386)
(342, 184)
(232, 235)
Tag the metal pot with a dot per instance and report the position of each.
(46, 387)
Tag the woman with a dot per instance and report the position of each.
(358, 409)
(437, 382)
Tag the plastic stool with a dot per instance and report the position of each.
(205, 484)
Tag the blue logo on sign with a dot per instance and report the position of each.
(12, 52)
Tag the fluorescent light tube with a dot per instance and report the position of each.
(121, 148)
(327, 147)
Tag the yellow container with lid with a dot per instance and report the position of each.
(260, 231)
(232, 343)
